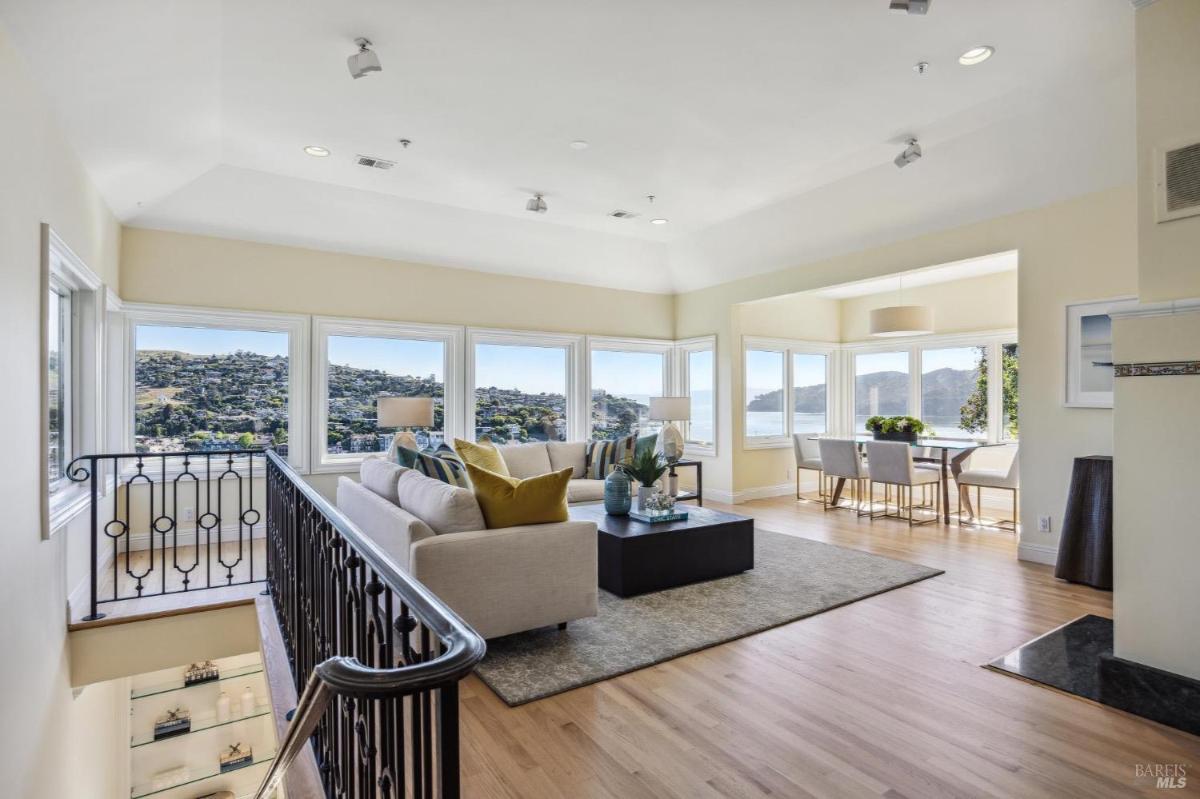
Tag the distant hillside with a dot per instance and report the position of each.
(943, 391)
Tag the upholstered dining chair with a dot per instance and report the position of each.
(1004, 478)
(891, 463)
(808, 458)
(840, 460)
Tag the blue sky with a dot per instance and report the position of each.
(391, 355)
(207, 341)
(628, 374)
(535, 370)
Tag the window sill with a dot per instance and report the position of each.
(699, 450)
(774, 442)
(64, 506)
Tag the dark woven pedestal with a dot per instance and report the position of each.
(1085, 551)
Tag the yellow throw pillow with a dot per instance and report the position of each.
(509, 502)
(482, 454)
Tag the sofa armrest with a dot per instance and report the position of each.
(388, 525)
(514, 578)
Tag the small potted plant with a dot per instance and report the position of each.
(647, 467)
(897, 428)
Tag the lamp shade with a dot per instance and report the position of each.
(901, 320)
(670, 409)
(406, 411)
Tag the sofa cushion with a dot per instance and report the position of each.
(511, 502)
(483, 454)
(585, 491)
(646, 442)
(526, 460)
(380, 475)
(444, 467)
(444, 507)
(565, 454)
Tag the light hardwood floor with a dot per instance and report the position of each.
(883, 697)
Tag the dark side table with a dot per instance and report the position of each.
(1085, 551)
(698, 494)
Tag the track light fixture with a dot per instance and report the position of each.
(364, 61)
(918, 7)
(537, 205)
(910, 154)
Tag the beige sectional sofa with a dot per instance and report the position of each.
(499, 581)
(530, 460)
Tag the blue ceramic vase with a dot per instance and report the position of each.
(617, 493)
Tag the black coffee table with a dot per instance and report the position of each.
(635, 557)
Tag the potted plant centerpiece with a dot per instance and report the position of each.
(647, 467)
(897, 428)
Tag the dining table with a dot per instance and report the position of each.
(949, 452)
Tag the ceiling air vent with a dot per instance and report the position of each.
(374, 163)
(1178, 187)
(619, 214)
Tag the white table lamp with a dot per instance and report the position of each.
(405, 412)
(671, 409)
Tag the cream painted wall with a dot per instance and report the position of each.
(47, 735)
(1155, 546)
(1078, 250)
(988, 302)
(182, 269)
(1156, 594)
(1168, 115)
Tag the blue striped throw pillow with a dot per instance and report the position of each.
(445, 467)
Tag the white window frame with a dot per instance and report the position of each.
(789, 347)
(296, 326)
(578, 410)
(449, 336)
(62, 269)
(992, 340)
(635, 345)
(683, 349)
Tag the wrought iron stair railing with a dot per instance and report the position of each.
(376, 657)
(172, 522)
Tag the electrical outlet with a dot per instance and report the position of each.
(1043, 524)
(189, 514)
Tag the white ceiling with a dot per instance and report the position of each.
(765, 130)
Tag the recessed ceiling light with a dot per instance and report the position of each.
(976, 55)
(659, 221)
(579, 144)
(316, 152)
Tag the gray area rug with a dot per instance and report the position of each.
(792, 578)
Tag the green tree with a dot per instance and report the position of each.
(973, 414)
(246, 440)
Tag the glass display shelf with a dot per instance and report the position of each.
(144, 790)
(166, 688)
(209, 723)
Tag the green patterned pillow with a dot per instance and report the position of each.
(603, 455)
(646, 442)
(445, 467)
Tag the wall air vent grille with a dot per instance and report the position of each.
(1179, 182)
(373, 162)
(619, 214)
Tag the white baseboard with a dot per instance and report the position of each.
(718, 495)
(1037, 553)
(141, 541)
(748, 494)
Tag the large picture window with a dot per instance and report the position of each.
(59, 401)
(881, 386)
(954, 391)
(765, 400)
(810, 392)
(521, 387)
(213, 380)
(361, 369)
(700, 380)
(622, 383)
(203, 388)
